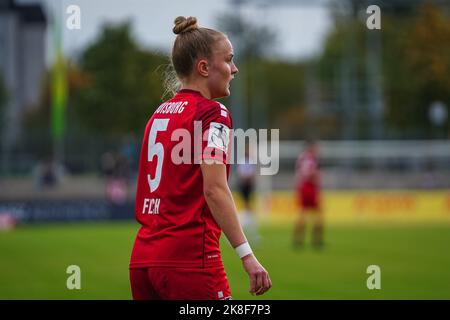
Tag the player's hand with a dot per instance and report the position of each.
(259, 278)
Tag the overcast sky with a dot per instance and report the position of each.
(300, 29)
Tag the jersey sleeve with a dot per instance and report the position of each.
(216, 133)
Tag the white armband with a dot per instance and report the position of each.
(243, 250)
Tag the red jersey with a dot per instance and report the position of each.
(307, 169)
(177, 227)
(308, 179)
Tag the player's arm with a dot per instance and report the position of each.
(220, 201)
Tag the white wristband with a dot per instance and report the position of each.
(243, 250)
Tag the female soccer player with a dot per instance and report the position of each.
(308, 193)
(183, 201)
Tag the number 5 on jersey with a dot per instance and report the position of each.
(156, 149)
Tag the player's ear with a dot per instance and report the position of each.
(203, 67)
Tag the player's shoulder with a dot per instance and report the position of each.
(204, 103)
(211, 108)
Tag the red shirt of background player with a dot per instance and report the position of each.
(178, 229)
(308, 180)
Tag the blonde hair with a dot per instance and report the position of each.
(192, 42)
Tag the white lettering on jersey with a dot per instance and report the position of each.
(171, 107)
(218, 136)
(151, 206)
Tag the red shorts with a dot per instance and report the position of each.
(308, 196)
(164, 283)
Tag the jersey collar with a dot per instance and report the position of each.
(189, 91)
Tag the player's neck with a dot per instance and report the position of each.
(196, 87)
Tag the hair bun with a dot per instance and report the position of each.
(183, 24)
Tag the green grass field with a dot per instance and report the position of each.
(414, 261)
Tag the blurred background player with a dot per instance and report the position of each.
(308, 196)
(246, 170)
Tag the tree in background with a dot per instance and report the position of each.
(272, 91)
(284, 94)
(112, 91)
(122, 86)
(415, 66)
(38, 120)
(248, 39)
(416, 59)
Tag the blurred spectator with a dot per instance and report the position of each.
(48, 173)
(130, 151)
(116, 191)
(116, 169)
(428, 178)
(107, 164)
(7, 221)
(308, 193)
(246, 170)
